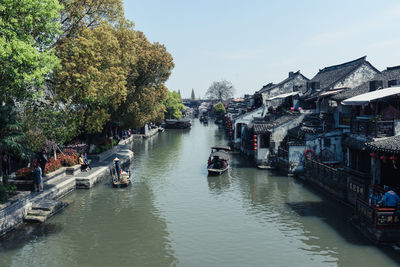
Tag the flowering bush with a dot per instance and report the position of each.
(71, 152)
(53, 165)
(69, 160)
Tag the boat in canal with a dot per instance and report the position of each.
(177, 124)
(218, 161)
(379, 224)
(124, 180)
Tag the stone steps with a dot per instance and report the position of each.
(43, 209)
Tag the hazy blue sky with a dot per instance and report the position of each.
(254, 42)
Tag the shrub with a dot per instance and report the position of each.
(3, 193)
(101, 148)
(52, 165)
(6, 191)
(69, 160)
(71, 152)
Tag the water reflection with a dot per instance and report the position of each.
(175, 214)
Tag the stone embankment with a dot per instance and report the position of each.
(38, 206)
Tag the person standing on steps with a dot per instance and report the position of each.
(37, 179)
(42, 161)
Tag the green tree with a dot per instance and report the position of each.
(11, 133)
(49, 122)
(146, 83)
(221, 90)
(174, 106)
(78, 15)
(219, 109)
(92, 77)
(27, 30)
(192, 96)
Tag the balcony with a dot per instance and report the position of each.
(369, 127)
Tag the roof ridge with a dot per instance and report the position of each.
(349, 63)
(392, 68)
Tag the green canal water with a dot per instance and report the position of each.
(175, 215)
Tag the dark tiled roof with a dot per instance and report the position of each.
(269, 126)
(387, 145)
(391, 73)
(329, 76)
(354, 143)
(306, 129)
(271, 86)
(261, 128)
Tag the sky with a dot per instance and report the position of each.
(254, 42)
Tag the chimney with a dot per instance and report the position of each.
(291, 74)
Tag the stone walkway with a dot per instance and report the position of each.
(37, 206)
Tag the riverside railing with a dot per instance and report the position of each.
(372, 128)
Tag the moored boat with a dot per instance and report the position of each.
(177, 124)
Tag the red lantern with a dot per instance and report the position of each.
(255, 140)
(383, 158)
(372, 155)
(393, 158)
(255, 136)
(255, 148)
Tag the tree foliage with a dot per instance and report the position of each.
(219, 109)
(173, 105)
(78, 15)
(11, 133)
(221, 90)
(49, 122)
(93, 75)
(27, 30)
(146, 83)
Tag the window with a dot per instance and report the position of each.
(238, 130)
(264, 140)
(393, 83)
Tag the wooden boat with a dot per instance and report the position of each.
(177, 124)
(124, 181)
(218, 161)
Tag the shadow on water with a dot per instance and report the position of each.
(337, 217)
(28, 233)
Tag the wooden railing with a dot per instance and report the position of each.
(377, 217)
(372, 128)
(331, 178)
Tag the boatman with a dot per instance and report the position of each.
(117, 167)
(390, 199)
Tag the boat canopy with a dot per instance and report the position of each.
(372, 96)
(220, 154)
(226, 148)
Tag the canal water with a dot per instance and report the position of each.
(175, 215)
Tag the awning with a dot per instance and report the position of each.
(372, 96)
(282, 96)
(333, 92)
(220, 154)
